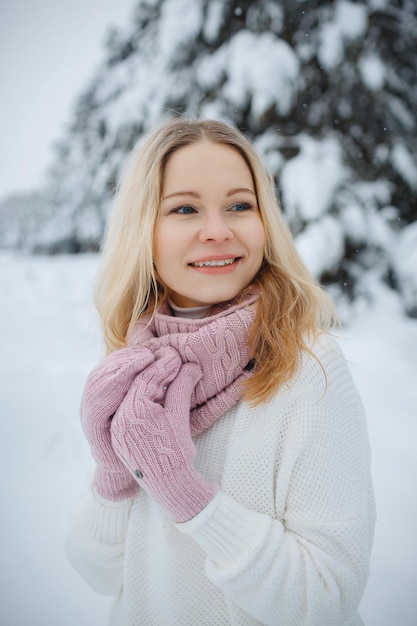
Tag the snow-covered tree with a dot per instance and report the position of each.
(326, 89)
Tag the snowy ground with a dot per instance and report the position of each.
(51, 341)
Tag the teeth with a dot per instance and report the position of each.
(213, 263)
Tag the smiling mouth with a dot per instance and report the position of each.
(220, 263)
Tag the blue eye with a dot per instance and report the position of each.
(184, 210)
(241, 206)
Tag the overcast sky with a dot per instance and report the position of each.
(48, 50)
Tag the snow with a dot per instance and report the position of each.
(351, 19)
(367, 215)
(321, 245)
(174, 30)
(372, 71)
(378, 5)
(213, 20)
(51, 341)
(330, 52)
(405, 264)
(242, 60)
(310, 179)
(349, 23)
(354, 222)
(271, 84)
(405, 165)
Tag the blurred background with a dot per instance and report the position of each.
(327, 91)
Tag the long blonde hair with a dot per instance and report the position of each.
(292, 308)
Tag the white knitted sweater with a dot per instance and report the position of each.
(286, 541)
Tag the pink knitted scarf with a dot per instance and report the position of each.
(218, 344)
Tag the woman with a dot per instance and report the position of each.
(232, 483)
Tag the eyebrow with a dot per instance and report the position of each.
(193, 194)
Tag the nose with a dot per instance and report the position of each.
(215, 228)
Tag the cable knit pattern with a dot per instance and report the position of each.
(218, 344)
(286, 541)
(104, 391)
(155, 441)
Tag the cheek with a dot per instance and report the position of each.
(162, 245)
(168, 252)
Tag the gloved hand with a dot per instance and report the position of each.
(202, 417)
(220, 347)
(155, 443)
(104, 391)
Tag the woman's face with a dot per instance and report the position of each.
(209, 237)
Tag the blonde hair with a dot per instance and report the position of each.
(292, 308)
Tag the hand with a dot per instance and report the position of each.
(104, 391)
(155, 442)
(202, 417)
(220, 348)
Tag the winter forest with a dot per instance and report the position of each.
(327, 91)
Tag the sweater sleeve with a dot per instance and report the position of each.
(95, 543)
(309, 565)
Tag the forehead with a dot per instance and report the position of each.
(206, 162)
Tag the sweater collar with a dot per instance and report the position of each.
(195, 312)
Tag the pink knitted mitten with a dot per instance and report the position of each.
(220, 346)
(202, 417)
(104, 391)
(155, 442)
